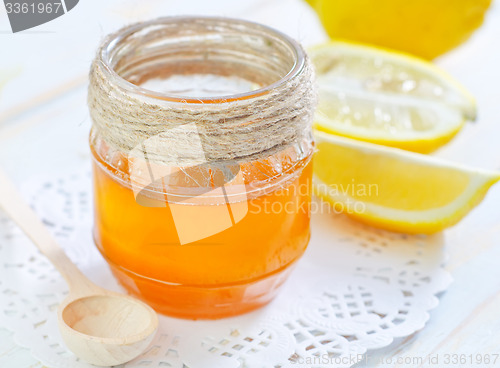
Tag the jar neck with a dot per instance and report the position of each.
(191, 130)
(171, 46)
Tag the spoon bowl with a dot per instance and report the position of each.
(106, 329)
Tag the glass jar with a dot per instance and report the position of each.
(201, 145)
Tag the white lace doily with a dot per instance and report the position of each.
(355, 289)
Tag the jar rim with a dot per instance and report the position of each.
(113, 40)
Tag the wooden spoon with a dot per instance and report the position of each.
(101, 327)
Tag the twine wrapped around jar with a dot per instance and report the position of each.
(167, 128)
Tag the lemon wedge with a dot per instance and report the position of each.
(395, 189)
(387, 98)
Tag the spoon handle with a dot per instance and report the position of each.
(17, 209)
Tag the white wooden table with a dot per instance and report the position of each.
(44, 126)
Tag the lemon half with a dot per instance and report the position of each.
(387, 98)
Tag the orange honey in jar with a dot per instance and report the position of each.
(201, 145)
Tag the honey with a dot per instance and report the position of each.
(237, 267)
(212, 231)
